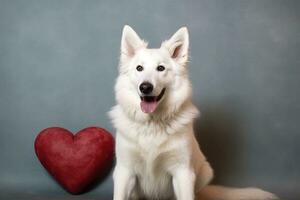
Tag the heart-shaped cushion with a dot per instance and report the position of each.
(75, 161)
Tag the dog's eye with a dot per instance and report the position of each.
(139, 68)
(160, 68)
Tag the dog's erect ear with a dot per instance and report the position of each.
(131, 42)
(178, 45)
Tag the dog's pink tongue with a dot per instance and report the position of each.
(148, 107)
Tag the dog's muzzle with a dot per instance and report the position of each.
(150, 103)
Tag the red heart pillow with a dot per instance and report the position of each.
(75, 161)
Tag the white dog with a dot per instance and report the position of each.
(157, 154)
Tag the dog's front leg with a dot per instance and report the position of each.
(184, 184)
(124, 182)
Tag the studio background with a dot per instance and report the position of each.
(59, 59)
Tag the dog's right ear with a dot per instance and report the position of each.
(178, 46)
(130, 43)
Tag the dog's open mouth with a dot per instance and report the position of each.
(149, 103)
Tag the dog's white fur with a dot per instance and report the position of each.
(157, 154)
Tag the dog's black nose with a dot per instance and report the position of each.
(146, 88)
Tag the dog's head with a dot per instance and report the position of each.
(153, 81)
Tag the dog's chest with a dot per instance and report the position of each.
(152, 163)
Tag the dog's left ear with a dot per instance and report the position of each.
(178, 45)
(130, 43)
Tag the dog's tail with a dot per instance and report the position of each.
(214, 192)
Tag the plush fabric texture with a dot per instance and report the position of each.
(75, 161)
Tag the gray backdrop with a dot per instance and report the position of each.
(58, 62)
